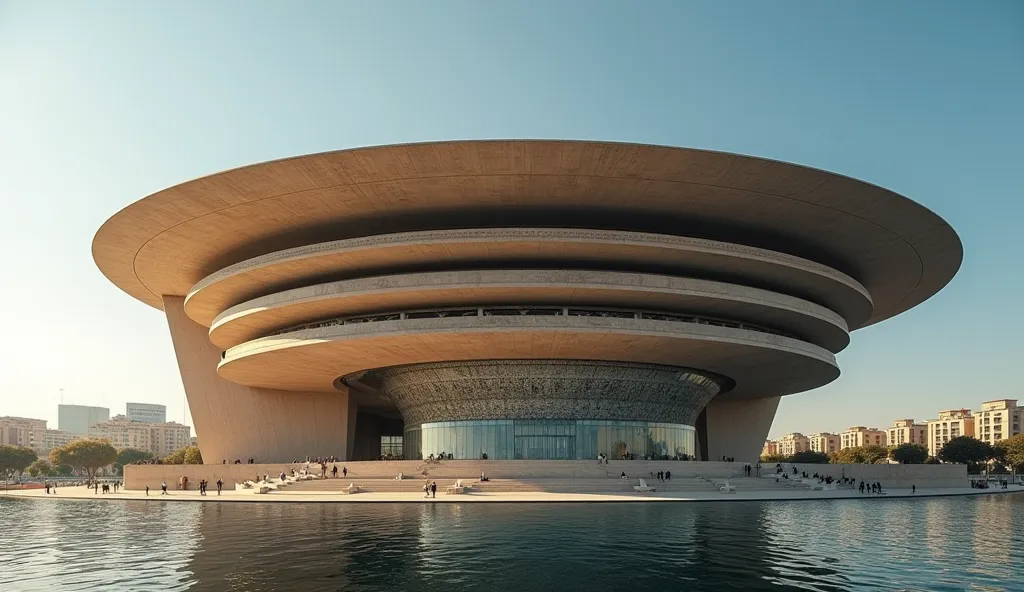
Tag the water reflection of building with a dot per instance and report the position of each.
(993, 533)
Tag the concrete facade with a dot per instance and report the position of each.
(950, 424)
(791, 444)
(77, 419)
(906, 431)
(239, 422)
(22, 431)
(287, 283)
(998, 420)
(825, 442)
(857, 436)
(148, 412)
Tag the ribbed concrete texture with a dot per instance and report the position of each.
(239, 422)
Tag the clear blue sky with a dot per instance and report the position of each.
(102, 103)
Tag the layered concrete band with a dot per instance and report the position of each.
(515, 299)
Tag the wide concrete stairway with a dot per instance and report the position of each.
(523, 476)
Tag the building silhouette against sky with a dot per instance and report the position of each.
(516, 298)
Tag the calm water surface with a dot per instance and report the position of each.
(923, 544)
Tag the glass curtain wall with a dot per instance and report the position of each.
(506, 439)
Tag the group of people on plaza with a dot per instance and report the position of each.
(662, 475)
(748, 470)
(430, 489)
(984, 483)
(204, 484)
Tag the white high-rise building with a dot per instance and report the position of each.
(77, 419)
(147, 412)
(998, 420)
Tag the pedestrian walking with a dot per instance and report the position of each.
(163, 488)
(344, 471)
(220, 486)
(433, 489)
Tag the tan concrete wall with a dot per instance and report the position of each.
(239, 422)
(738, 429)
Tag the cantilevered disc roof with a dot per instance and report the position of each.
(165, 243)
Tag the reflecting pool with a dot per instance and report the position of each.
(877, 544)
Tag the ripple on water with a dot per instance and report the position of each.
(925, 544)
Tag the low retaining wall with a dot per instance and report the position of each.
(141, 476)
(890, 476)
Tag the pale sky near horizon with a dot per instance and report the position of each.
(102, 103)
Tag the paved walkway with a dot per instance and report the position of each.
(324, 497)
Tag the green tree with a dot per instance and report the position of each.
(63, 471)
(931, 460)
(1011, 452)
(193, 456)
(87, 456)
(863, 455)
(772, 458)
(188, 455)
(809, 457)
(965, 450)
(175, 458)
(14, 460)
(127, 456)
(909, 454)
(40, 468)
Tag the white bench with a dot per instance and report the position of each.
(643, 486)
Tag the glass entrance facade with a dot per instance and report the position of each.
(507, 439)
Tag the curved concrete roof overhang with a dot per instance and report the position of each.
(520, 247)
(164, 244)
(570, 288)
(761, 364)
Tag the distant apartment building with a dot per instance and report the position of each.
(998, 420)
(824, 442)
(857, 436)
(950, 424)
(122, 433)
(905, 431)
(159, 439)
(22, 431)
(77, 419)
(147, 412)
(165, 438)
(57, 438)
(790, 444)
(771, 448)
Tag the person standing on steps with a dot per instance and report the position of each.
(163, 488)
(433, 489)
(220, 486)
(334, 471)
(344, 472)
